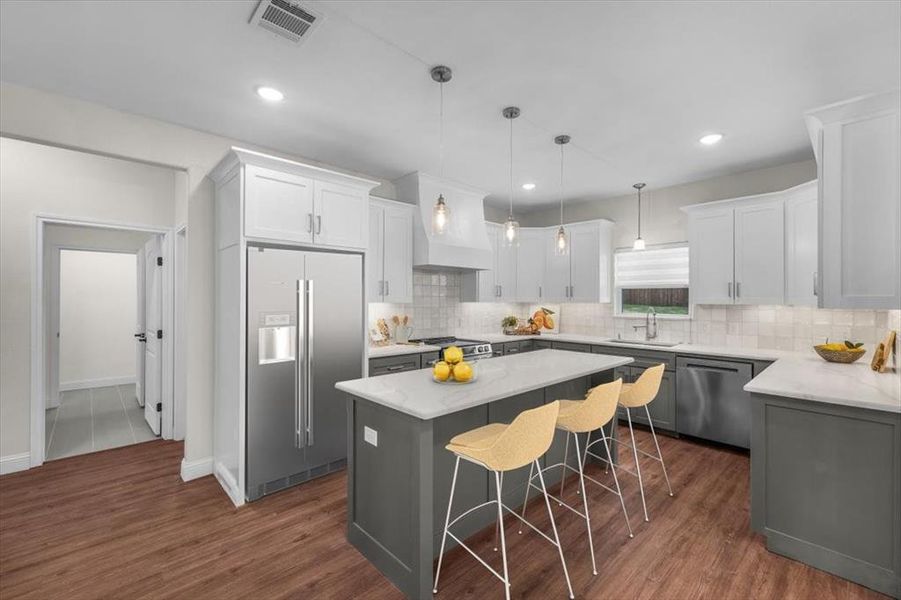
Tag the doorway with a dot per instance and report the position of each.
(107, 373)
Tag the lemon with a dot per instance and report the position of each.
(441, 371)
(453, 355)
(463, 371)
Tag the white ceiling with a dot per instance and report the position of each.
(634, 84)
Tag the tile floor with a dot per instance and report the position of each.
(95, 419)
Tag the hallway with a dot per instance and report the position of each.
(94, 419)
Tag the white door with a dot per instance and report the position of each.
(278, 206)
(760, 254)
(341, 215)
(398, 248)
(556, 268)
(152, 325)
(375, 255)
(710, 235)
(801, 248)
(530, 265)
(140, 331)
(585, 262)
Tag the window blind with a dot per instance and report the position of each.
(654, 267)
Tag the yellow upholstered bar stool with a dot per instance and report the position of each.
(584, 416)
(638, 395)
(499, 448)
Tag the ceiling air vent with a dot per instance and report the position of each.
(286, 18)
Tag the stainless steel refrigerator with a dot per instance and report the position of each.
(304, 333)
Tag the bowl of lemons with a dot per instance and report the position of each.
(453, 369)
(839, 352)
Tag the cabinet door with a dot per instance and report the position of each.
(505, 275)
(662, 408)
(277, 206)
(530, 265)
(760, 254)
(398, 273)
(710, 242)
(556, 269)
(341, 215)
(801, 248)
(375, 254)
(585, 262)
(486, 284)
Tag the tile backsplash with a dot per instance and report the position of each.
(437, 310)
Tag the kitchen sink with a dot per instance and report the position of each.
(644, 343)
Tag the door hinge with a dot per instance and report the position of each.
(159, 334)
(159, 407)
(159, 261)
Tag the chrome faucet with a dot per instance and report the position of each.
(650, 324)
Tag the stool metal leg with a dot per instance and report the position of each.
(497, 526)
(616, 481)
(547, 502)
(565, 456)
(500, 521)
(450, 501)
(659, 455)
(644, 506)
(594, 567)
(525, 502)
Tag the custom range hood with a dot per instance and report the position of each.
(464, 244)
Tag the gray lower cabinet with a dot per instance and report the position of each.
(393, 364)
(826, 487)
(428, 359)
(572, 347)
(663, 406)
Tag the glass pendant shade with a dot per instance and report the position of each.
(511, 231)
(440, 216)
(638, 244)
(561, 242)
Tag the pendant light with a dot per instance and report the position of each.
(561, 240)
(639, 242)
(511, 227)
(440, 212)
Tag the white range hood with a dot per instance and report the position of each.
(464, 244)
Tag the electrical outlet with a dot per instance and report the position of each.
(371, 436)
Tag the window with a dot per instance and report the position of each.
(654, 278)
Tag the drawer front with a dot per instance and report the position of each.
(527, 345)
(512, 348)
(643, 358)
(571, 346)
(393, 364)
(541, 344)
(428, 359)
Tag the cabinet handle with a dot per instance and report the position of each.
(318, 224)
(381, 287)
(738, 289)
(387, 287)
(729, 287)
(572, 291)
(500, 291)
(539, 291)
(815, 284)
(309, 222)
(396, 368)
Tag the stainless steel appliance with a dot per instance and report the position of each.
(472, 349)
(711, 402)
(304, 333)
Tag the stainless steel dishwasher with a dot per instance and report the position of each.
(711, 402)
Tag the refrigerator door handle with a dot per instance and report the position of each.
(300, 359)
(309, 362)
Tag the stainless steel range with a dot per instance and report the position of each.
(472, 349)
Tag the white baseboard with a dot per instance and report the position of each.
(196, 468)
(95, 383)
(228, 483)
(15, 462)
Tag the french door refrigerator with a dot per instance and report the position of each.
(304, 333)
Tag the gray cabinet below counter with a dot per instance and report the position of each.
(394, 364)
(663, 407)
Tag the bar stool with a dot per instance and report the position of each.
(499, 448)
(638, 395)
(584, 416)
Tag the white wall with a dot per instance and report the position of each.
(34, 115)
(98, 310)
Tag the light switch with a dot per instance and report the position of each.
(371, 436)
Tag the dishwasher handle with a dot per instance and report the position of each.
(719, 366)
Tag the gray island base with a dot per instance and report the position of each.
(399, 472)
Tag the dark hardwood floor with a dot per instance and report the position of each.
(121, 524)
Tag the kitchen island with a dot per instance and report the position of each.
(399, 472)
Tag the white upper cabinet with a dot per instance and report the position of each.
(390, 256)
(590, 253)
(484, 285)
(801, 245)
(556, 268)
(858, 148)
(759, 253)
(277, 205)
(530, 258)
(711, 246)
(505, 272)
(341, 215)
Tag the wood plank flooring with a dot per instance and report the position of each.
(122, 524)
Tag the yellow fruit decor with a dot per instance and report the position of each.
(453, 355)
(462, 372)
(441, 371)
(542, 319)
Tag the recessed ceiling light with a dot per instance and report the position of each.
(528, 186)
(270, 94)
(711, 139)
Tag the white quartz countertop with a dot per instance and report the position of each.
(809, 377)
(417, 394)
